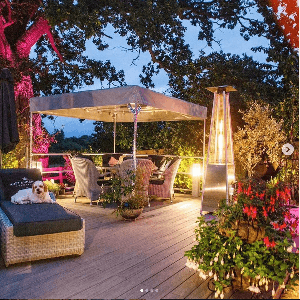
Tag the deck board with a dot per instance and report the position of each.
(121, 258)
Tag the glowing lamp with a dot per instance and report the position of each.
(196, 173)
(196, 170)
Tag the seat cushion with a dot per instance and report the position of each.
(158, 160)
(40, 218)
(107, 157)
(157, 181)
(13, 180)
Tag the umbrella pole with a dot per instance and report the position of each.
(0, 159)
(115, 128)
(135, 112)
(134, 137)
(30, 145)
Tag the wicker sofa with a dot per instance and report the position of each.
(35, 231)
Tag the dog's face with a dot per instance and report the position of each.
(39, 188)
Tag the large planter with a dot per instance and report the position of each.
(130, 214)
(247, 231)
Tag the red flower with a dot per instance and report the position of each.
(268, 243)
(281, 227)
(253, 212)
(287, 191)
(272, 202)
(240, 188)
(287, 215)
(249, 190)
(294, 224)
(250, 211)
(246, 210)
(265, 212)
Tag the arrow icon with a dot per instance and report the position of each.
(287, 149)
(141, 290)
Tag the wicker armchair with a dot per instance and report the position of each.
(86, 176)
(163, 186)
(147, 164)
(35, 231)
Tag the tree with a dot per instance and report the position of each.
(23, 23)
(260, 138)
(155, 26)
(20, 28)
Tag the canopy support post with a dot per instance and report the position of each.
(115, 128)
(31, 140)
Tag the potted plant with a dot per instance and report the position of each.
(128, 192)
(249, 245)
(53, 187)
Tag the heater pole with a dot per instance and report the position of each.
(30, 144)
(225, 142)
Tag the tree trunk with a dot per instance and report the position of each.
(15, 55)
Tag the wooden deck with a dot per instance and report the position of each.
(122, 259)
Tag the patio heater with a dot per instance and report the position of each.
(219, 170)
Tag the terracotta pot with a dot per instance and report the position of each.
(131, 214)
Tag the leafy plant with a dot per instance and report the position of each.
(53, 187)
(260, 138)
(182, 180)
(10, 160)
(224, 251)
(127, 191)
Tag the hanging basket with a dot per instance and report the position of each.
(248, 231)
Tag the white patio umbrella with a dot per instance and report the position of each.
(121, 104)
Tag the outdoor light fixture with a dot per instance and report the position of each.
(196, 173)
(196, 170)
(219, 169)
(37, 165)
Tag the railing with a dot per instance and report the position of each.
(101, 154)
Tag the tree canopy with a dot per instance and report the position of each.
(154, 26)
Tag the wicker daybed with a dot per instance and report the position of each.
(35, 231)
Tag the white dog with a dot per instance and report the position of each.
(37, 194)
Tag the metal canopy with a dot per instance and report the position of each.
(110, 105)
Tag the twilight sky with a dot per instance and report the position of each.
(231, 42)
